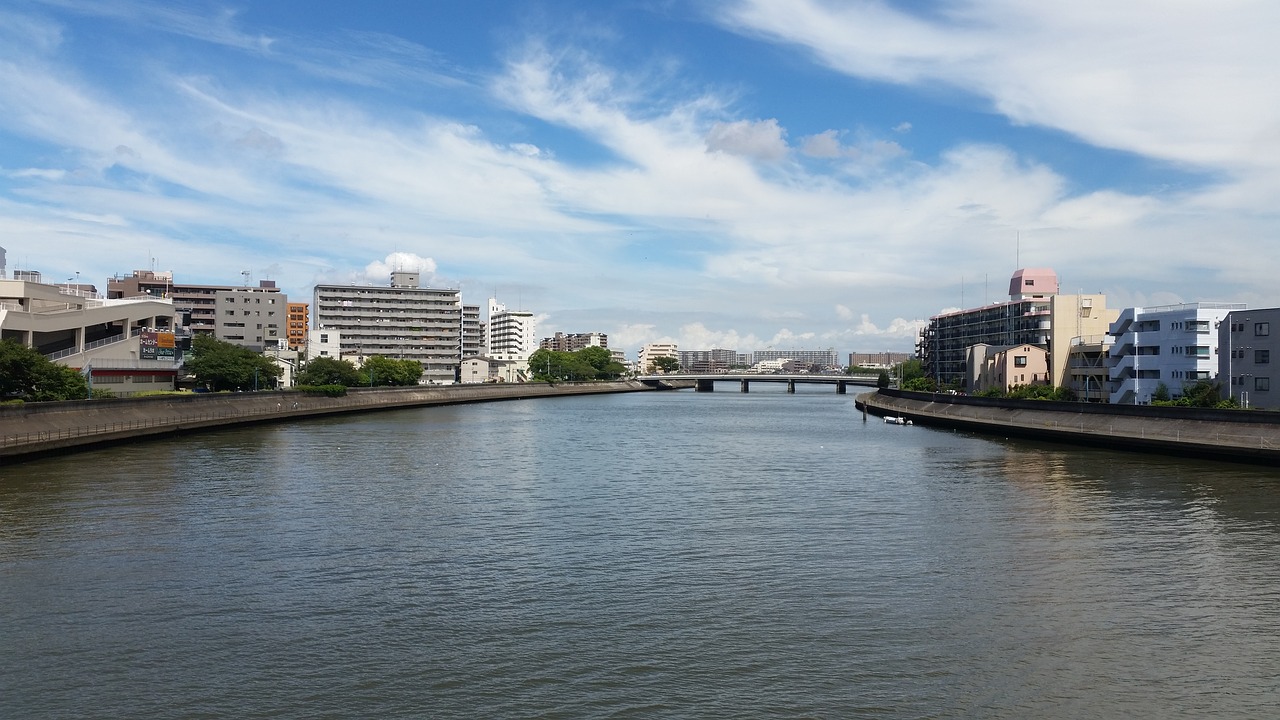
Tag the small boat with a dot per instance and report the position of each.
(896, 420)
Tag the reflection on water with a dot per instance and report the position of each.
(672, 554)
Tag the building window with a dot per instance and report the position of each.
(1262, 383)
(1020, 360)
(1262, 357)
(1262, 328)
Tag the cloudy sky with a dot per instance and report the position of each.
(746, 174)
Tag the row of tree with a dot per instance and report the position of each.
(219, 365)
(25, 374)
(593, 363)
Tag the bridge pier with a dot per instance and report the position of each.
(746, 386)
(791, 387)
(841, 387)
(705, 386)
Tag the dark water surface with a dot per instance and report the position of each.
(643, 555)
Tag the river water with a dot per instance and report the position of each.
(638, 555)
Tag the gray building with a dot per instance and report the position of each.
(251, 317)
(402, 321)
(1246, 349)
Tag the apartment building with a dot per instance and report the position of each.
(1246, 348)
(818, 358)
(707, 361)
(1035, 314)
(299, 321)
(510, 333)
(196, 305)
(1170, 345)
(573, 342)
(251, 317)
(401, 320)
(653, 351)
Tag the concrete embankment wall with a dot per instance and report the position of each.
(1235, 435)
(43, 428)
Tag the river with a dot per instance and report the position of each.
(637, 555)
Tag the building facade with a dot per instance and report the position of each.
(510, 333)
(707, 361)
(401, 321)
(196, 305)
(819, 358)
(1005, 368)
(573, 342)
(1169, 345)
(1034, 315)
(299, 317)
(1249, 352)
(472, 331)
(653, 351)
(253, 318)
(123, 345)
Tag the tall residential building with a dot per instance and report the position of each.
(653, 351)
(472, 331)
(400, 321)
(299, 321)
(1034, 315)
(510, 333)
(573, 342)
(1247, 347)
(877, 359)
(1170, 345)
(196, 305)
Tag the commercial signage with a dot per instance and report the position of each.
(157, 345)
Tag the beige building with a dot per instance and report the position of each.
(123, 345)
(1004, 368)
(653, 351)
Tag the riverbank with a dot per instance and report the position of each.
(1231, 435)
(36, 429)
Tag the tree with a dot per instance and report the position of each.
(329, 371)
(882, 381)
(27, 374)
(1161, 393)
(381, 371)
(224, 366)
(664, 364)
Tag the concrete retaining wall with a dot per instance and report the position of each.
(1235, 435)
(43, 428)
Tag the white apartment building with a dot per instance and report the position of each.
(510, 334)
(324, 343)
(403, 321)
(653, 351)
(1171, 345)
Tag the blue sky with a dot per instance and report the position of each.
(746, 174)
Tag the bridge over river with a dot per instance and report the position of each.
(706, 383)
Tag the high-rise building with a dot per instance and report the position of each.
(472, 331)
(402, 321)
(509, 333)
(820, 358)
(299, 320)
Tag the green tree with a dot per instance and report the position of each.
(27, 374)
(381, 371)
(224, 366)
(882, 381)
(664, 364)
(329, 371)
(910, 370)
(1161, 393)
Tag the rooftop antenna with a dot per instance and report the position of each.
(246, 274)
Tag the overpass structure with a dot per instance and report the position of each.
(706, 383)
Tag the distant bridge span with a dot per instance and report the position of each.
(706, 383)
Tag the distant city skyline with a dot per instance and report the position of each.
(747, 174)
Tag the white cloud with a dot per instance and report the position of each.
(759, 140)
(379, 272)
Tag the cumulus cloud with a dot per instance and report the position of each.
(379, 272)
(759, 140)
